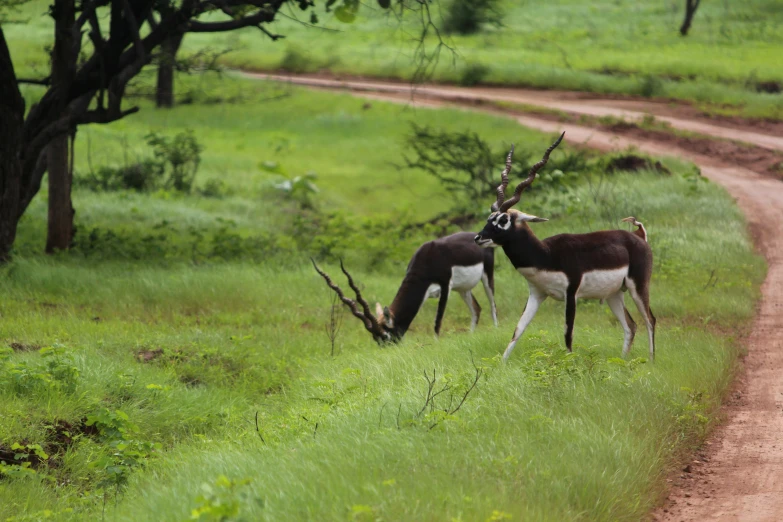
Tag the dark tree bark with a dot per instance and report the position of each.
(164, 90)
(60, 228)
(11, 123)
(690, 10)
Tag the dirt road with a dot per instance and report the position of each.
(740, 476)
(680, 118)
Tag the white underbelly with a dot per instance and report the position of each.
(597, 284)
(600, 284)
(464, 278)
(553, 284)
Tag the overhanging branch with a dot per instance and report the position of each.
(230, 25)
(32, 81)
(104, 116)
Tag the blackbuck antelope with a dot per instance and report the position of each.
(450, 263)
(598, 265)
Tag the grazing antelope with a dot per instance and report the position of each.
(453, 262)
(598, 265)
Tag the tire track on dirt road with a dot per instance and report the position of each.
(741, 476)
(574, 103)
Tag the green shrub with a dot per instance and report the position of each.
(650, 85)
(174, 165)
(179, 156)
(295, 61)
(473, 74)
(468, 16)
(55, 372)
(143, 176)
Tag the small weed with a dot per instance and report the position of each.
(55, 372)
(222, 500)
(127, 451)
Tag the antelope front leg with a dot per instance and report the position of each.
(445, 290)
(570, 314)
(534, 300)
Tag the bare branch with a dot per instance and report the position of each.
(31, 81)
(104, 116)
(134, 27)
(230, 25)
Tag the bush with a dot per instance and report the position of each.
(179, 157)
(650, 85)
(466, 165)
(468, 16)
(295, 61)
(473, 74)
(214, 188)
(143, 176)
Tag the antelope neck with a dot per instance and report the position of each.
(407, 302)
(526, 250)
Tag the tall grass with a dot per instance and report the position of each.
(545, 436)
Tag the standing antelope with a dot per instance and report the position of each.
(598, 265)
(454, 262)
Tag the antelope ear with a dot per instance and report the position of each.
(378, 309)
(387, 315)
(521, 216)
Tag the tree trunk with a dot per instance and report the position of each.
(690, 10)
(60, 225)
(11, 121)
(60, 230)
(164, 91)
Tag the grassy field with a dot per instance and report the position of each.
(174, 384)
(622, 46)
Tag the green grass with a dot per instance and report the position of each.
(622, 47)
(608, 47)
(546, 436)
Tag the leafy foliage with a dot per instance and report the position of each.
(55, 372)
(474, 74)
(222, 500)
(174, 166)
(127, 451)
(300, 189)
(467, 167)
(469, 16)
(180, 156)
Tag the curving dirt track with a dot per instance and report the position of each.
(739, 476)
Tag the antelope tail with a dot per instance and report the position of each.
(640, 230)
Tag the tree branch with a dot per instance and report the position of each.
(134, 27)
(230, 25)
(31, 81)
(104, 116)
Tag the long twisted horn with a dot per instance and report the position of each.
(501, 190)
(530, 177)
(369, 321)
(362, 301)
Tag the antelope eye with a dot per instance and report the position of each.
(503, 220)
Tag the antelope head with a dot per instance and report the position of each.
(504, 219)
(381, 327)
